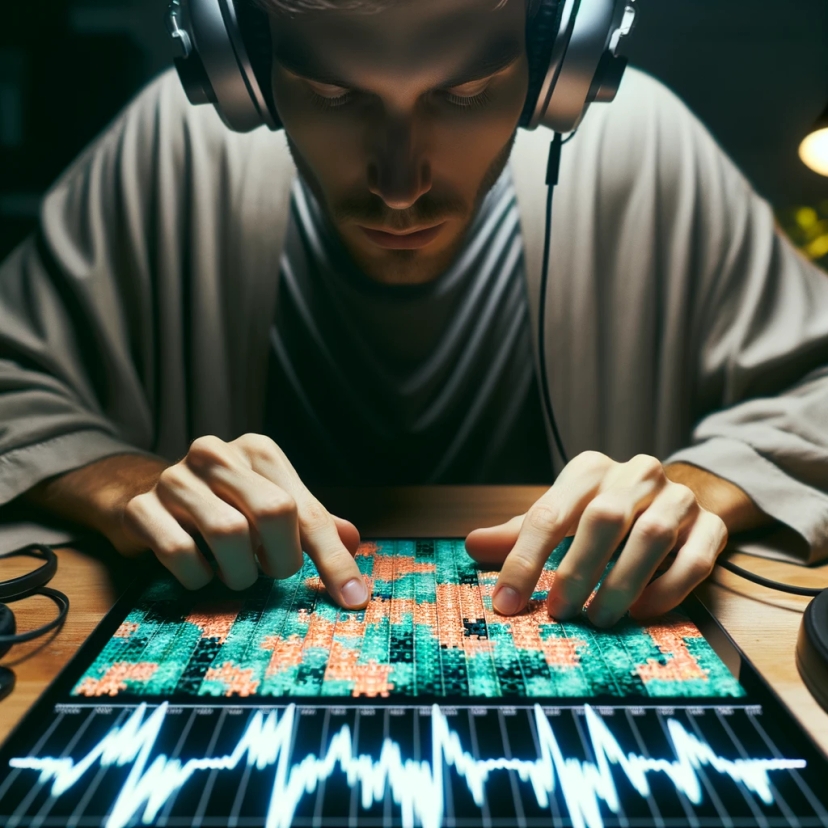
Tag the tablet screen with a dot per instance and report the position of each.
(275, 707)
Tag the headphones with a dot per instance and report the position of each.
(224, 50)
(33, 583)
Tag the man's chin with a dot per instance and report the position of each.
(403, 267)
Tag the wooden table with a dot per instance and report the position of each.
(762, 622)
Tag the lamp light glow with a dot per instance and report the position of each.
(814, 151)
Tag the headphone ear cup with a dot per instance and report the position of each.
(541, 30)
(254, 26)
(214, 65)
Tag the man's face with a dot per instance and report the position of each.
(401, 120)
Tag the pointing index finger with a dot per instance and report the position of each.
(337, 567)
(546, 524)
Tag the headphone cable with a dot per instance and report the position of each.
(766, 582)
(552, 175)
(553, 168)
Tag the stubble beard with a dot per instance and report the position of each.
(406, 267)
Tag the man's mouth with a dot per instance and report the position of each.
(412, 239)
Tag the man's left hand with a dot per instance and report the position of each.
(601, 501)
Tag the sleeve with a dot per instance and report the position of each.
(76, 309)
(760, 344)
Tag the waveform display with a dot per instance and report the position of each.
(590, 787)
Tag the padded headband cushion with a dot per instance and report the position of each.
(541, 28)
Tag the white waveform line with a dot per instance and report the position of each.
(416, 786)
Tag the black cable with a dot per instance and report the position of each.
(552, 170)
(26, 584)
(766, 582)
(552, 173)
(63, 607)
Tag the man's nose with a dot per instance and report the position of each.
(399, 173)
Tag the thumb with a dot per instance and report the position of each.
(491, 546)
(348, 533)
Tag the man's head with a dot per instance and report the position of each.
(400, 115)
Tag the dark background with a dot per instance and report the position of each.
(755, 71)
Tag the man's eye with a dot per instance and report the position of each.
(469, 101)
(470, 95)
(328, 95)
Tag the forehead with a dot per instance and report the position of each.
(400, 37)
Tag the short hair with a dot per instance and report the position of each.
(367, 6)
(252, 16)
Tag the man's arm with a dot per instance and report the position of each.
(720, 497)
(97, 494)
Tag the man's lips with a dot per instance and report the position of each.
(408, 240)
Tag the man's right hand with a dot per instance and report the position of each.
(247, 502)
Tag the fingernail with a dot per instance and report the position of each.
(354, 593)
(506, 601)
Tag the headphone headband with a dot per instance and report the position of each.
(572, 45)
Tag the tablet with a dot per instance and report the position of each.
(275, 708)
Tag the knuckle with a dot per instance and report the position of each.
(279, 506)
(207, 451)
(172, 478)
(225, 526)
(314, 516)
(650, 468)
(592, 460)
(522, 567)
(657, 531)
(571, 582)
(257, 446)
(543, 518)
(173, 548)
(604, 511)
(699, 568)
(135, 511)
(684, 496)
(718, 531)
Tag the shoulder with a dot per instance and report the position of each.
(647, 149)
(648, 136)
(160, 130)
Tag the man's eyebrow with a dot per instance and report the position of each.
(494, 57)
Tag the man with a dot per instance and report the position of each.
(182, 355)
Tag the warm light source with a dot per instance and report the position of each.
(814, 149)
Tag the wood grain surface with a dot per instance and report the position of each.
(762, 622)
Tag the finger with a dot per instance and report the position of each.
(490, 546)
(147, 519)
(654, 534)
(544, 526)
(694, 561)
(335, 563)
(224, 528)
(268, 508)
(348, 534)
(602, 526)
(263, 456)
(318, 532)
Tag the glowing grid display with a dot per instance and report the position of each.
(429, 630)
